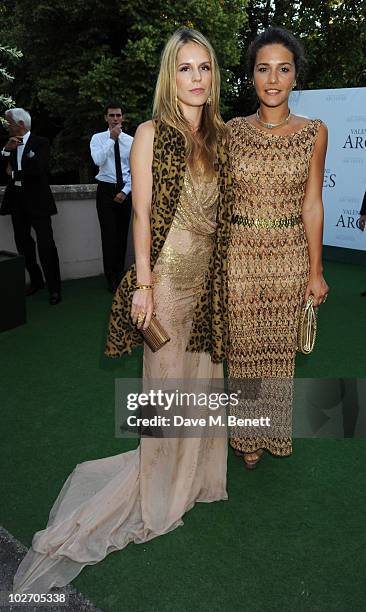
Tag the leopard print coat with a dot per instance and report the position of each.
(209, 332)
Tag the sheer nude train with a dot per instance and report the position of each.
(135, 496)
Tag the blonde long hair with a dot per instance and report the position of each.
(201, 148)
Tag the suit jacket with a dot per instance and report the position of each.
(363, 207)
(38, 197)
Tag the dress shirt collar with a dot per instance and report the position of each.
(25, 137)
(120, 136)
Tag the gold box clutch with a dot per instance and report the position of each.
(155, 335)
(306, 332)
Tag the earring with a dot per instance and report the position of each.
(294, 85)
(209, 101)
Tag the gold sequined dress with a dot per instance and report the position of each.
(178, 278)
(268, 267)
(135, 496)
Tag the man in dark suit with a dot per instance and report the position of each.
(30, 202)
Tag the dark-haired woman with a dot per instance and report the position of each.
(274, 260)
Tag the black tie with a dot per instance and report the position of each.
(117, 159)
(14, 160)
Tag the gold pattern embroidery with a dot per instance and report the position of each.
(268, 267)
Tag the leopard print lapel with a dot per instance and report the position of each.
(209, 326)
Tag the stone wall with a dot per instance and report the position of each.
(75, 228)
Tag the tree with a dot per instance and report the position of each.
(8, 54)
(332, 32)
(78, 55)
(151, 24)
(75, 62)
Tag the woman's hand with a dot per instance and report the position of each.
(318, 288)
(142, 304)
(141, 160)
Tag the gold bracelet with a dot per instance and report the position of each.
(145, 287)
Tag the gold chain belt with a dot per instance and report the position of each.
(266, 223)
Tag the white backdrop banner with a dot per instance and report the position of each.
(344, 113)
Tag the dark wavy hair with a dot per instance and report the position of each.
(273, 36)
(114, 104)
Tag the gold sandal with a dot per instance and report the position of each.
(251, 464)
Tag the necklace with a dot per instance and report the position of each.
(270, 126)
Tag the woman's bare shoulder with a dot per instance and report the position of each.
(300, 122)
(146, 129)
(144, 138)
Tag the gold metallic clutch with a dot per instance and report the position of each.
(155, 335)
(306, 332)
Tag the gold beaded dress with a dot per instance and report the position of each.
(138, 495)
(268, 268)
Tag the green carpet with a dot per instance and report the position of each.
(291, 537)
(340, 349)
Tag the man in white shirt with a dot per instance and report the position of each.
(30, 202)
(110, 151)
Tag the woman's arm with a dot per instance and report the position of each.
(312, 216)
(141, 174)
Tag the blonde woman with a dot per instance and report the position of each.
(179, 182)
